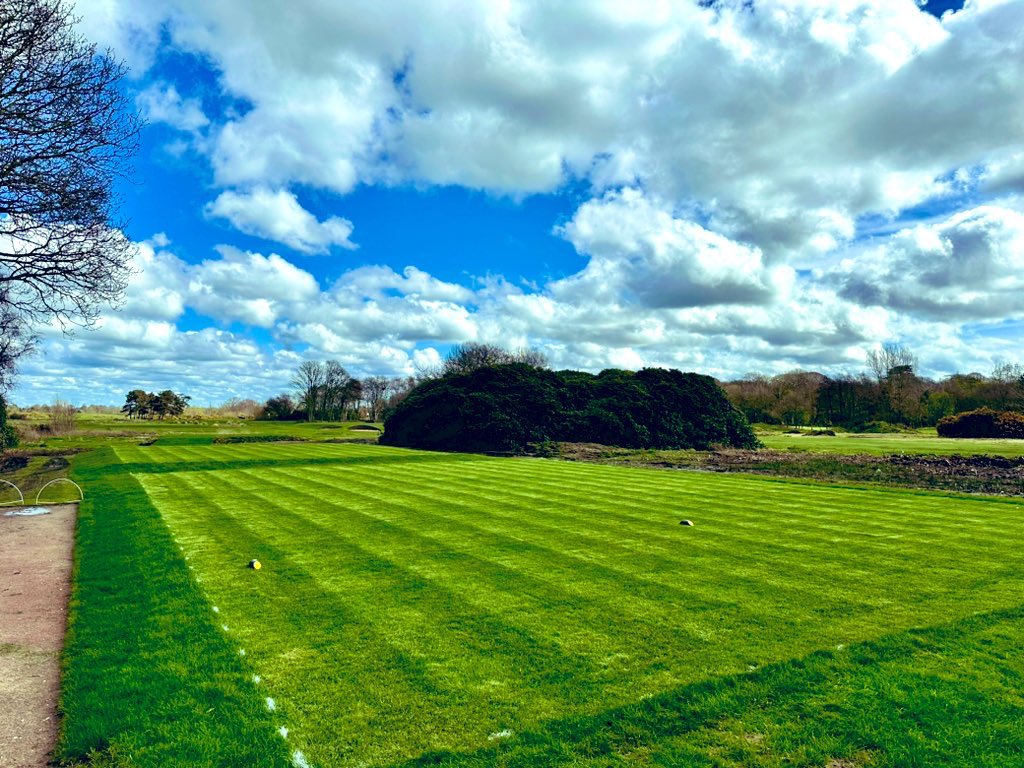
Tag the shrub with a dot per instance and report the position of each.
(62, 417)
(504, 408)
(8, 437)
(983, 422)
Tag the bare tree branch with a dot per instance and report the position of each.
(65, 134)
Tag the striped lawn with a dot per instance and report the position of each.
(414, 602)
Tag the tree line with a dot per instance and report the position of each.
(139, 404)
(890, 392)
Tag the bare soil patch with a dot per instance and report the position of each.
(35, 579)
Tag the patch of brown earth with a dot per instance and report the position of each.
(35, 579)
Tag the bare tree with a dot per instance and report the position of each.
(62, 417)
(468, 357)
(882, 360)
(894, 368)
(308, 382)
(15, 342)
(65, 132)
(375, 392)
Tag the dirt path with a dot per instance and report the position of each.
(35, 577)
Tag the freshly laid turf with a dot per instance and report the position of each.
(461, 610)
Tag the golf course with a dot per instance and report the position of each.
(421, 608)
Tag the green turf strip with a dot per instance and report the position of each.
(422, 603)
(892, 443)
(148, 679)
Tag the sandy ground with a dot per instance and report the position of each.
(35, 577)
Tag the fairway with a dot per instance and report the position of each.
(882, 444)
(417, 603)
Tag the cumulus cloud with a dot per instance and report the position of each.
(638, 247)
(161, 103)
(277, 215)
(783, 121)
(968, 267)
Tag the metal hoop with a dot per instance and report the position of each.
(81, 493)
(19, 503)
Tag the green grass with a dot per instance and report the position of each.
(891, 443)
(412, 606)
(99, 430)
(148, 677)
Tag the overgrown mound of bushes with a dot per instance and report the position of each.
(503, 408)
(983, 422)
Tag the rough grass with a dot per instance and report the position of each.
(421, 609)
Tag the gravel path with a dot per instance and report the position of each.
(35, 577)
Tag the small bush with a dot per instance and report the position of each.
(62, 417)
(8, 437)
(983, 423)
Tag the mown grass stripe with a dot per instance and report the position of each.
(499, 640)
(146, 679)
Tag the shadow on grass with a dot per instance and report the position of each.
(947, 695)
(148, 679)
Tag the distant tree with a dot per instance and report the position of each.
(16, 341)
(169, 403)
(309, 382)
(137, 404)
(337, 392)
(280, 408)
(62, 417)
(66, 130)
(375, 392)
(894, 368)
(849, 401)
(469, 357)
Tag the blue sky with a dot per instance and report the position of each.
(724, 187)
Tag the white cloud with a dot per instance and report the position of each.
(161, 103)
(639, 248)
(780, 124)
(967, 267)
(277, 215)
(248, 287)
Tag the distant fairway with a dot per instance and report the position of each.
(502, 611)
(878, 444)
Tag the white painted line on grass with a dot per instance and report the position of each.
(299, 760)
(271, 704)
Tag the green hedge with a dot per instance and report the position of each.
(503, 408)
